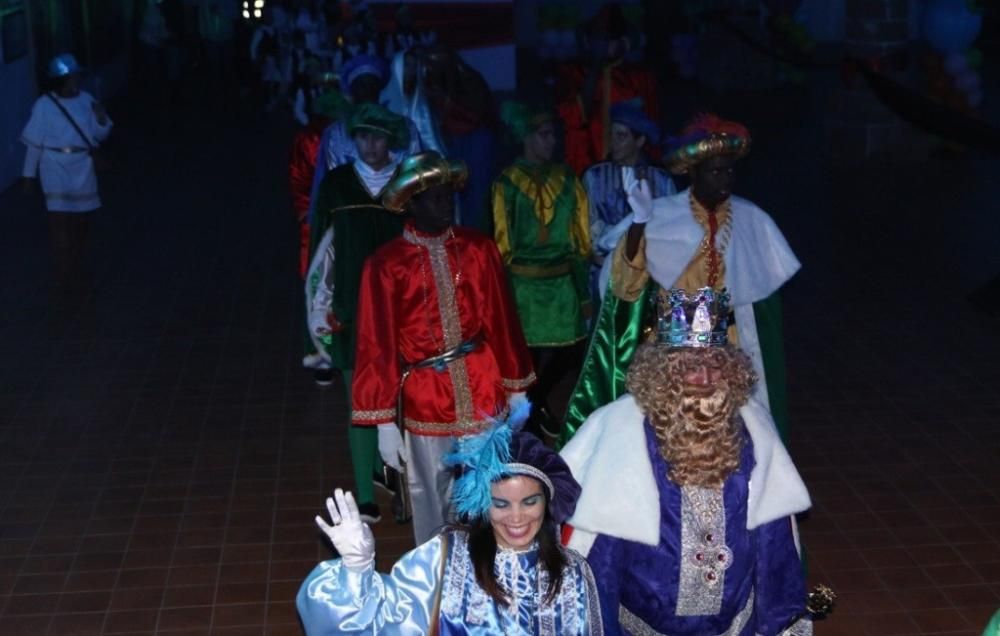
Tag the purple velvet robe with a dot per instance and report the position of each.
(709, 574)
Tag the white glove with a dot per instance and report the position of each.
(391, 446)
(351, 536)
(628, 179)
(640, 199)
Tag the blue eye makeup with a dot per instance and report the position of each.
(500, 503)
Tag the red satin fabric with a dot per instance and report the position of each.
(302, 165)
(399, 322)
(584, 135)
(301, 168)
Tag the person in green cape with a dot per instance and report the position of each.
(701, 237)
(349, 225)
(540, 224)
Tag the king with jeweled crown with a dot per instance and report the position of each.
(700, 319)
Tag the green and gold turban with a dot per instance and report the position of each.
(422, 172)
(708, 135)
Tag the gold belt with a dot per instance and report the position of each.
(540, 271)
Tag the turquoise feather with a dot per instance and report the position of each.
(483, 459)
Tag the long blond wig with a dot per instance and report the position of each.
(702, 449)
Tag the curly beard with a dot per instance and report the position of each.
(698, 428)
(707, 405)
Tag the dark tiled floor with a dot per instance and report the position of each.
(162, 455)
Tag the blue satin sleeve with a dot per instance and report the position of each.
(336, 600)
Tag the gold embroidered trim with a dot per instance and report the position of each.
(724, 233)
(461, 427)
(451, 325)
(372, 416)
(518, 385)
(447, 428)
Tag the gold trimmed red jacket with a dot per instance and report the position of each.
(423, 295)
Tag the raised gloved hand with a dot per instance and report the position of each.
(391, 446)
(640, 199)
(350, 536)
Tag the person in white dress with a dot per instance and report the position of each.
(66, 126)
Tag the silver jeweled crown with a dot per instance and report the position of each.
(692, 320)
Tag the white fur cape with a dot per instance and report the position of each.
(608, 457)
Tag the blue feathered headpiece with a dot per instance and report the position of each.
(503, 450)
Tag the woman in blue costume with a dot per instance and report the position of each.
(500, 571)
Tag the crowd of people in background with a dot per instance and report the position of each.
(452, 294)
(273, 49)
(557, 329)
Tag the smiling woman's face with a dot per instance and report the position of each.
(517, 511)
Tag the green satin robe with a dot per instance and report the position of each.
(540, 224)
(360, 226)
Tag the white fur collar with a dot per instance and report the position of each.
(608, 457)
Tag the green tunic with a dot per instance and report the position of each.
(360, 226)
(540, 225)
(620, 330)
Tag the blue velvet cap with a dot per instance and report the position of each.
(630, 113)
(502, 451)
(528, 452)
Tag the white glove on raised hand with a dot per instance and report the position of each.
(391, 446)
(350, 536)
(640, 199)
(629, 178)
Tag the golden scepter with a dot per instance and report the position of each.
(819, 604)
